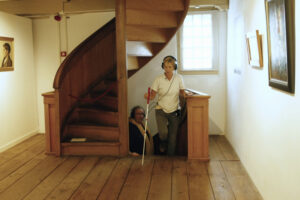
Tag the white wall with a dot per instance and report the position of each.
(138, 84)
(47, 60)
(18, 111)
(47, 44)
(88, 24)
(212, 84)
(263, 122)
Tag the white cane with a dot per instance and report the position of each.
(145, 135)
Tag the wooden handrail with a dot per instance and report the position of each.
(197, 93)
(48, 94)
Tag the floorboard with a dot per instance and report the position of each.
(116, 180)
(16, 175)
(138, 181)
(215, 151)
(226, 148)
(198, 180)
(21, 147)
(15, 163)
(71, 182)
(91, 187)
(161, 181)
(180, 189)
(27, 173)
(55, 178)
(242, 186)
(220, 185)
(28, 182)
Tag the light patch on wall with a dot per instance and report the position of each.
(238, 44)
(4, 77)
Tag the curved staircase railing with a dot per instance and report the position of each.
(86, 66)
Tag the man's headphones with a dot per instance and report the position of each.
(168, 58)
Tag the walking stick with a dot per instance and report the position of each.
(145, 135)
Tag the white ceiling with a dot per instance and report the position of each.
(40, 8)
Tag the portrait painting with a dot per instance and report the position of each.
(6, 54)
(281, 49)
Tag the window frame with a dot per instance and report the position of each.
(216, 30)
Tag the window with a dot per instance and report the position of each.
(198, 48)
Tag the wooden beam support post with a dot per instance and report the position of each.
(56, 137)
(52, 142)
(122, 75)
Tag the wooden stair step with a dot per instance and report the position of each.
(174, 5)
(146, 34)
(104, 85)
(97, 116)
(136, 62)
(93, 132)
(131, 72)
(132, 63)
(161, 19)
(135, 48)
(107, 102)
(143, 49)
(95, 106)
(91, 148)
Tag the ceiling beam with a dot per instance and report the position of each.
(31, 7)
(50, 7)
(220, 4)
(74, 6)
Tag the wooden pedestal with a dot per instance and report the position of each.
(197, 125)
(51, 141)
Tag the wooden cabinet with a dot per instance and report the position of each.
(197, 125)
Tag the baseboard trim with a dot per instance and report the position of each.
(18, 140)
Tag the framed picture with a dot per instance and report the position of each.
(254, 47)
(6, 54)
(281, 43)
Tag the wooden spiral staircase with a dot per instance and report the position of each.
(90, 97)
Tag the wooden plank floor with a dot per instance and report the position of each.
(27, 173)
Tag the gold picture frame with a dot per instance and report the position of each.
(7, 54)
(254, 49)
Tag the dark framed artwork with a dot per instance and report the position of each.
(281, 43)
(6, 54)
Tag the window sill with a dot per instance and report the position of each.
(198, 72)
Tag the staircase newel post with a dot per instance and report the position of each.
(122, 74)
(56, 137)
